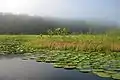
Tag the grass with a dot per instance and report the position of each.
(87, 43)
(99, 54)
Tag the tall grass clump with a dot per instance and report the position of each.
(82, 42)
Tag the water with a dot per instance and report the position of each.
(14, 68)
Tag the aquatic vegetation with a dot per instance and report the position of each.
(97, 54)
(101, 64)
(12, 46)
(116, 76)
(102, 74)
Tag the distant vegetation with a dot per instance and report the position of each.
(24, 24)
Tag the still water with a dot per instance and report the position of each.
(14, 68)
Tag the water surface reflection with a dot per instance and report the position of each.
(14, 68)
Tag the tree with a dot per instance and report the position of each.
(50, 32)
(64, 31)
(60, 31)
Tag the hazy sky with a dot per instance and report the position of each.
(102, 9)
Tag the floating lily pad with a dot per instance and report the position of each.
(48, 61)
(102, 74)
(110, 72)
(39, 60)
(85, 70)
(25, 58)
(98, 70)
(59, 65)
(69, 67)
(116, 76)
(33, 57)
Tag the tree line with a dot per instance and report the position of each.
(24, 24)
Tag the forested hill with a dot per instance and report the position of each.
(24, 24)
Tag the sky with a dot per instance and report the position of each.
(74, 9)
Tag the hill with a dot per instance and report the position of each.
(25, 24)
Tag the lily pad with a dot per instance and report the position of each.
(85, 70)
(59, 65)
(98, 70)
(102, 74)
(25, 58)
(69, 67)
(116, 76)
